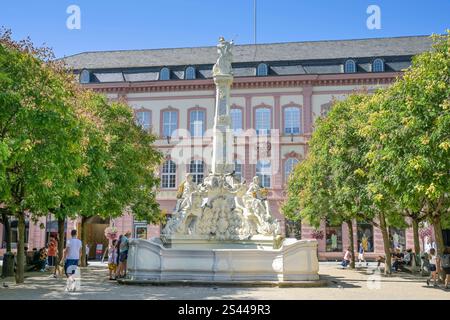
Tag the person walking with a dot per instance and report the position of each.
(123, 255)
(72, 253)
(433, 269)
(117, 257)
(112, 260)
(361, 256)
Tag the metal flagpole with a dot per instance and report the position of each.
(254, 19)
(254, 28)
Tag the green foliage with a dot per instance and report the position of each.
(388, 152)
(67, 150)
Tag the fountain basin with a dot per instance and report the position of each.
(295, 260)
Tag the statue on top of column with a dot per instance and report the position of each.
(223, 64)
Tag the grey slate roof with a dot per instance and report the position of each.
(292, 51)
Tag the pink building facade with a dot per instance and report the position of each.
(276, 97)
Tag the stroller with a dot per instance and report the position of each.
(425, 265)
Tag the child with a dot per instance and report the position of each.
(112, 260)
(361, 255)
(347, 258)
(432, 258)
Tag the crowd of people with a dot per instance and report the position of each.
(430, 262)
(117, 257)
(46, 258)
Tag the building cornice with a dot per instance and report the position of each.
(247, 83)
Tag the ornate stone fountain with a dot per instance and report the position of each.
(222, 229)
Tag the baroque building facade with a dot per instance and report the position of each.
(279, 90)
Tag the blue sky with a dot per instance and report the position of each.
(140, 24)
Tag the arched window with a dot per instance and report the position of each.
(264, 172)
(164, 74)
(292, 120)
(236, 120)
(189, 73)
(288, 167)
(262, 70)
(85, 76)
(377, 65)
(196, 169)
(350, 66)
(238, 170)
(168, 175)
(197, 122)
(262, 121)
(144, 119)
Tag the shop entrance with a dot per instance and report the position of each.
(95, 236)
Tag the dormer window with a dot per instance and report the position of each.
(164, 74)
(85, 76)
(189, 73)
(262, 70)
(350, 66)
(378, 65)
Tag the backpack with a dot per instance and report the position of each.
(445, 261)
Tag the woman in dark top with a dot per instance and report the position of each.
(117, 256)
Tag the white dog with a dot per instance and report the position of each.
(73, 281)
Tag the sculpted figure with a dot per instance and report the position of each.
(223, 64)
(188, 188)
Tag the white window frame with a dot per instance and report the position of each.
(197, 169)
(235, 120)
(194, 120)
(164, 74)
(348, 63)
(262, 70)
(85, 76)
(263, 121)
(169, 175)
(147, 126)
(171, 123)
(189, 73)
(289, 165)
(264, 172)
(380, 63)
(292, 123)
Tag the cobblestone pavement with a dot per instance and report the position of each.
(364, 283)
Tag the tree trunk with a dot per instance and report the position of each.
(386, 243)
(352, 243)
(83, 235)
(61, 236)
(415, 227)
(8, 234)
(438, 234)
(20, 248)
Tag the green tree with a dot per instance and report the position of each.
(330, 184)
(119, 164)
(409, 129)
(39, 135)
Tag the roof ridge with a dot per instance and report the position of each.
(243, 45)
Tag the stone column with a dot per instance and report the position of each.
(222, 161)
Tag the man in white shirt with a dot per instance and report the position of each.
(72, 253)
